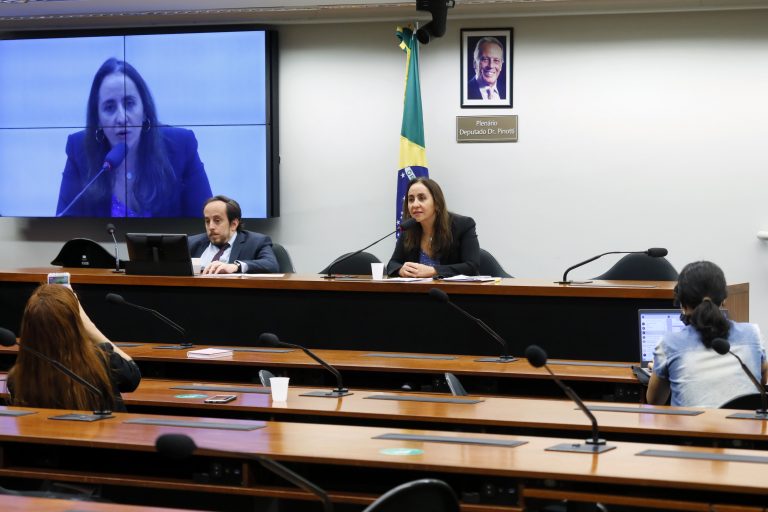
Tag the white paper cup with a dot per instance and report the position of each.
(377, 271)
(196, 266)
(279, 387)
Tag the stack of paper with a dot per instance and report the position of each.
(210, 353)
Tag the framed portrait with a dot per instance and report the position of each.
(486, 68)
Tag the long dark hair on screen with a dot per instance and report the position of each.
(52, 326)
(442, 238)
(155, 179)
(701, 288)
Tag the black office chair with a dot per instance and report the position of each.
(284, 263)
(425, 495)
(264, 376)
(748, 402)
(359, 264)
(489, 266)
(641, 267)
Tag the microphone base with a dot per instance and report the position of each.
(336, 393)
(586, 447)
(82, 417)
(571, 282)
(757, 415)
(501, 359)
(118, 271)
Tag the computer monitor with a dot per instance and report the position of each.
(158, 254)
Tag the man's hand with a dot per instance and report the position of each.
(220, 267)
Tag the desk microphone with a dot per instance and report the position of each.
(722, 347)
(181, 446)
(271, 339)
(114, 298)
(113, 159)
(440, 295)
(8, 339)
(111, 231)
(538, 358)
(654, 252)
(405, 226)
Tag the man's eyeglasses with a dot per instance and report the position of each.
(487, 60)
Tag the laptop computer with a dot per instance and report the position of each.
(654, 324)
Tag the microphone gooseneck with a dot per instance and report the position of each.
(181, 446)
(8, 339)
(722, 347)
(272, 339)
(441, 296)
(114, 298)
(113, 159)
(405, 226)
(654, 252)
(537, 357)
(111, 231)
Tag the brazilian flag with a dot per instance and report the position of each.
(413, 155)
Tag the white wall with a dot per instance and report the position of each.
(635, 131)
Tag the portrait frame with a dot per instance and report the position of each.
(471, 92)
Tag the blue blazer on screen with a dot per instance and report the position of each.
(253, 249)
(190, 194)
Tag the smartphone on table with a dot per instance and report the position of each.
(219, 399)
(59, 278)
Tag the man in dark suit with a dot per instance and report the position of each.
(489, 64)
(225, 247)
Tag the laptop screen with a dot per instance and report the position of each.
(654, 324)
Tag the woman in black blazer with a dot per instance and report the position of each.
(442, 244)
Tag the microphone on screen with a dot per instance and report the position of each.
(113, 159)
(271, 339)
(441, 296)
(653, 252)
(537, 357)
(181, 446)
(8, 339)
(114, 298)
(111, 231)
(404, 226)
(722, 347)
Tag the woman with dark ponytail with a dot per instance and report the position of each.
(685, 364)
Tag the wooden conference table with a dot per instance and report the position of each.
(603, 380)
(617, 421)
(356, 464)
(596, 321)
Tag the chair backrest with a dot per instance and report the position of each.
(425, 495)
(749, 402)
(83, 252)
(489, 266)
(641, 267)
(284, 262)
(359, 264)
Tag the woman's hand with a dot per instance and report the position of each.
(412, 269)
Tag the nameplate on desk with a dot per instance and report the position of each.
(10, 412)
(589, 363)
(198, 424)
(455, 440)
(644, 410)
(410, 356)
(411, 398)
(721, 457)
(127, 345)
(235, 389)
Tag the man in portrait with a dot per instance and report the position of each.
(489, 65)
